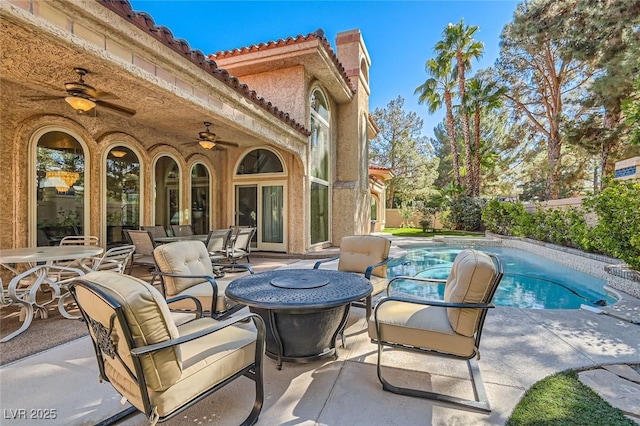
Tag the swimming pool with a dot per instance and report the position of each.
(530, 281)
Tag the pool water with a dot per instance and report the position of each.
(530, 281)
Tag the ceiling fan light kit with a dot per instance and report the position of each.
(80, 104)
(207, 144)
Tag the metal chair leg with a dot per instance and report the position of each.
(481, 403)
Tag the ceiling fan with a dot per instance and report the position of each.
(84, 97)
(209, 140)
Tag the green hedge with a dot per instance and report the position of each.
(616, 232)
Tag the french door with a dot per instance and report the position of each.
(262, 205)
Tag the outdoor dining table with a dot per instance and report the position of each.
(304, 309)
(24, 287)
(199, 237)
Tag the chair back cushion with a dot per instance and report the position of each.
(148, 320)
(357, 252)
(183, 258)
(472, 275)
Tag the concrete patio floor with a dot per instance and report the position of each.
(519, 347)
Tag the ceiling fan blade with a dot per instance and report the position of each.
(128, 112)
(227, 143)
(105, 95)
(44, 97)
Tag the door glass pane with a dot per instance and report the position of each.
(59, 187)
(167, 203)
(123, 194)
(319, 213)
(272, 218)
(200, 199)
(247, 206)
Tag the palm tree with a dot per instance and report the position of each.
(434, 92)
(482, 96)
(458, 43)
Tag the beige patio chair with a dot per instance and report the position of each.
(364, 254)
(143, 240)
(451, 327)
(184, 268)
(162, 368)
(182, 230)
(156, 231)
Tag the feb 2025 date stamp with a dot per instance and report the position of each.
(29, 413)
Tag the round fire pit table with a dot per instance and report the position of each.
(304, 309)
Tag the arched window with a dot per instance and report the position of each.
(167, 186)
(60, 187)
(319, 167)
(123, 194)
(259, 161)
(200, 199)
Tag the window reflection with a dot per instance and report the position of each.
(123, 194)
(200, 199)
(319, 168)
(167, 203)
(260, 161)
(60, 180)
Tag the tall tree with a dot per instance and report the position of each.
(435, 91)
(400, 147)
(544, 83)
(481, 97)
(459, 45)
(604, 33)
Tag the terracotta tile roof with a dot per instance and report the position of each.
(317, 35)
(145, 22)
(378, 167)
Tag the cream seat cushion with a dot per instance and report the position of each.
(203, 293)
(419, 326)
(379, 284)
(189, 258)
(206, 361)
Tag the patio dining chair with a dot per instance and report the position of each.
(181, 230)
(367, 255)
(451, 327)
(159, 367)
(144, 242)
(115, 259)
(80, 240)
(156, 231)
(24, 290)
(217, 243)
(240, 245)
(75, 240)
(184, 268)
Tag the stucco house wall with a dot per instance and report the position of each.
(173, 90)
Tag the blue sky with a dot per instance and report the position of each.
(399, 35)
